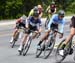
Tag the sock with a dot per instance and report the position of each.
(39, 42)
(63, 46)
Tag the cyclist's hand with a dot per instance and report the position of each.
(61, 36)
(37, 32)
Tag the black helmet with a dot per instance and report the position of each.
(35, 8)
(36, 14)
(61, 13)
(36, 11)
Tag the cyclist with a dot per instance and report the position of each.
(72, 33)
(32, 23)
(56, 22)
(19, 22)
(51, 9)
(39, 8)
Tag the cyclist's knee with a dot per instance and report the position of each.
(16, 30)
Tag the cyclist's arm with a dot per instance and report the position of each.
(50, 22)
(40, 29)
(55, 10)
(39, 26)
(47, 9)
(41, 15)
(31, 12)
(27, 23)
(18, 20)
(61, 30)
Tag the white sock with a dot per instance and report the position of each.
(11, 39)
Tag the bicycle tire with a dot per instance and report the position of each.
(38, 53)
(27, 46)
(74, 57)
(57, 53)
(49, 50)
(15, 39)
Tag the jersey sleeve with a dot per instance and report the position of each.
(31, 13)
(39, 24)
(61, 27)
(50, 22)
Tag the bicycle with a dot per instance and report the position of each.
(44, 47)
(28, 43)
(18, 35)
(68, 50)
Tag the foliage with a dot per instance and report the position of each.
(10, 9)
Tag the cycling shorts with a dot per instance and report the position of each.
(54, 26)
(31, 28)
(18, 25)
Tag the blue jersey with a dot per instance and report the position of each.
(56, 20)
(34, 23)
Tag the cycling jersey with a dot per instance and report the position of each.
(59, 22)
(33, 24)
(73, 21)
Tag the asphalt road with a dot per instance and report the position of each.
(11, 55)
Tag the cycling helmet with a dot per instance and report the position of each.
(23, 17)
(61, 13)
(36, 11)
(35, 8)
(39, 6)
(53, 3)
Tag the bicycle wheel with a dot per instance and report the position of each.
(74, 53)
(15, 39)
(27, 46)
(74, 57)
(60, 58)
(47, 51)
(38, 52)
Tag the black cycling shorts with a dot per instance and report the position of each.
(31, 28)
(18, 25)
(54, 26)
(73, 22)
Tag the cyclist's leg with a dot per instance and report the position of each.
(14, 33)
(72, 33)
(44, 37)
(24, 39)
(34, 35)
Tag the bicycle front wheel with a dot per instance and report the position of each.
(27, 46)
(47, 50)
(60, 58)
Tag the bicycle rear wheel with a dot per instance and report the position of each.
(47, 51)
(60, 58)
(27, 46)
